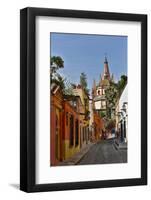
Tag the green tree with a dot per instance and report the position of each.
(121, 84)
(111, 98)
(102, 114)
(112, 93)
(68, 89)
(83, 82)
(58, 80)
(56, 62)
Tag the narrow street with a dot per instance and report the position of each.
(89, 111)
(104, 152)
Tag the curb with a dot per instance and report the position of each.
(83, 154)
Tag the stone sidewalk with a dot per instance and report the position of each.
(77, 157)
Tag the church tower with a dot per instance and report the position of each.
(98, 90)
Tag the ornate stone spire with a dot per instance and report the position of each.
(106, 73)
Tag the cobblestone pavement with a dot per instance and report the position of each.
(104, 152)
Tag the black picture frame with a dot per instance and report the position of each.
(28, 98)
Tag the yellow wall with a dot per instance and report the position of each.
(70, 151)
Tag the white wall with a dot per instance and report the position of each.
(9, 98)
(124, 97)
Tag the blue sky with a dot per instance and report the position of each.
(86, 53)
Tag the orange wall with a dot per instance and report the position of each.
(98, 124)
(64, 107)
(56, 104)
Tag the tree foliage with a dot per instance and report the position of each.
(57, 60)
(58, 80)
(111, 98)
(83, 82)
(102, 114)
(121, 84)
(113, 92)
(68, 89)
(57, 63)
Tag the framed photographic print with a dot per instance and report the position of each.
(83, 99)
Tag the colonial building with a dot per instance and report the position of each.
(98, 90)
(71, 126)
(69, 123)
(84, 115)
(122, 116)
(56, 131)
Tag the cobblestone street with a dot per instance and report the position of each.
(104, 152)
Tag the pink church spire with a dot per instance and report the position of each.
(106, 73)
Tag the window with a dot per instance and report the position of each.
(71, 130)
(56, 138)
(83, 133)
(88, 134)
(77, 132)
(66, 118)
(124, 129)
